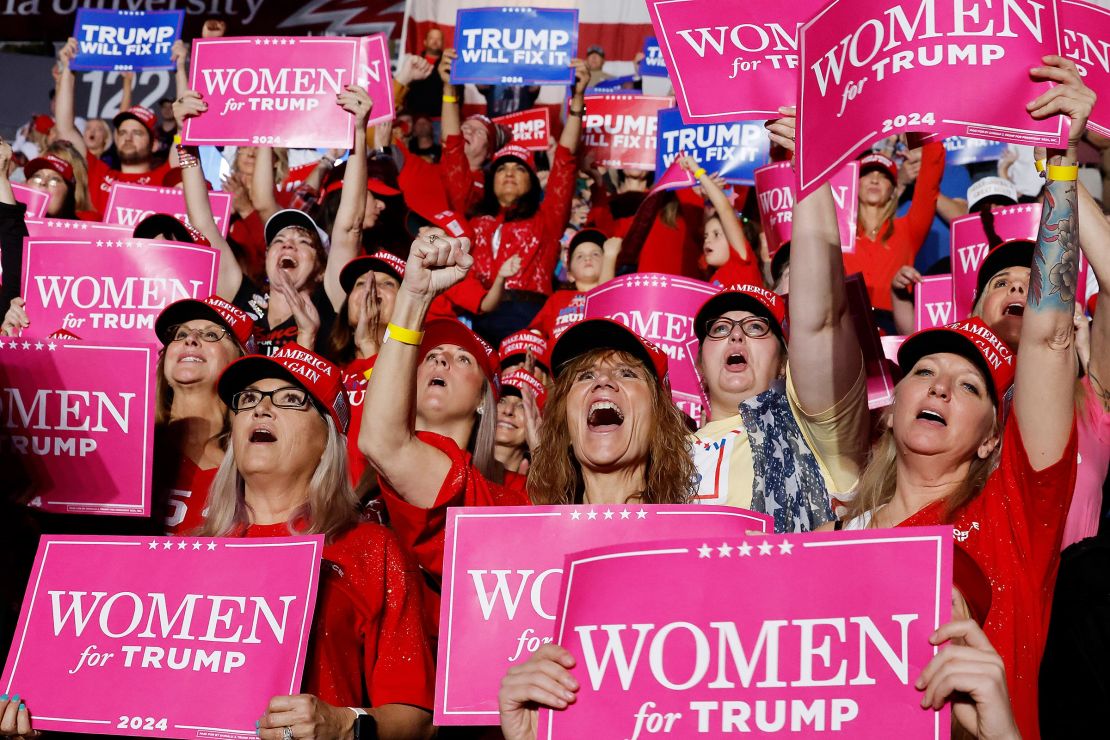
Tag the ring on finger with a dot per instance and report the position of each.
(287, 733)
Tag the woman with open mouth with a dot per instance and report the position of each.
(199, 340)
(302, 266)
(430, 412)
(788, 419)
(285, 472)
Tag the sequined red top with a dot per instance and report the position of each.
(421, 530)
(368, 646)
(1013, 529)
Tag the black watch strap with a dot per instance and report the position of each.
(366, 727)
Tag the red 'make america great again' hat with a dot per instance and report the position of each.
(972, 339)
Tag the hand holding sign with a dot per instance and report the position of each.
(544, 680)
(15, 719)
(317, 718)
(783, 131)
(1068, 97)
(356, 101)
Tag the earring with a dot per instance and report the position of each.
(480, 411)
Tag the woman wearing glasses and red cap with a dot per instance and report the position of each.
(935, 463)
(285, 472)
(429, 417)
(199, 340)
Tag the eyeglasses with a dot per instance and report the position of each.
(284, 398)
(752, 326)
(47, 182)
(180, 333)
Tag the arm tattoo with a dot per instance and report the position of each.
(1052, 282)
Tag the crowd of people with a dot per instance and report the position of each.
(433, 278)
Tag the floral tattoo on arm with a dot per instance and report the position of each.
(1052, 282)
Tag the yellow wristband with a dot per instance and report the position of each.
(367, 373)
(1039, 164)
(450, 99)
(177, 138)
(403, 335)
(1063, 173)
(698, 173)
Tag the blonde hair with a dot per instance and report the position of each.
(555, 476)
(886, 220)
(64, 150)
(879, 479)
(331, 507)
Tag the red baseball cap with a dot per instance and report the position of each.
(380, 261)
(517, 379)
(449, 331)
(63, 334)
(607, 334)
(138, 113)
(517, 152)
(516, 346)
(499, 135)
(451, 223)
(379, 187)
(214, 309)
(49, 162)
(759, 301)
(42, 124)
(322, 379)
(971, 338)
(881, 162)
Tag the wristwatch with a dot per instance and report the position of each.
(366, 727)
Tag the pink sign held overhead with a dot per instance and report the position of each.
(276, 90)
(528, 128)
(162, 637)
(130, 204)
(875, 68)
(500, 591)
(969, 247)
(375, 75)
(111, 290)
(774, 188)
(68, 228)
(730, 61)
(620, 130)
(35, 200)
(1086, 28)
(932, 302)
(661, 309)
(715, 637)
(79, 429)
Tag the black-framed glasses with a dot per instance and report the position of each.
(752, 326)
(288, 397)
(180, 333)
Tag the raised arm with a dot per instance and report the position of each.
(825, 357)
(197, 205)
(179, 55)
(572, 130)
(346, 231)
(412, 468)
(63, 98)
(262, 183)
(1094, 239)
(1046, 365)
(450, 120)
(7, 195)
(730, 224)
(127, 85)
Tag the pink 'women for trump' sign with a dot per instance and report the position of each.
(774, 189)
(68, 228)
(875, 68)
(281, 91)
(661, 309)
(35, 200)
(111, 290)
(160, 636)
(970, 244)
(78, 433)
(932, 302)
(718, 636)
(129, 204)
(1086, 28)
(500, 591)
(730, 61)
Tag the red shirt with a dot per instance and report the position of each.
(464, 186)
(421, 530)
(880, 262)
(738, 271)
(535, 239)
(368, 647)
(561, 310)
(1013, 530)
(187, 494)
(101, 177)
(354, 381)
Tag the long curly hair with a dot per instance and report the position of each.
(555, 476)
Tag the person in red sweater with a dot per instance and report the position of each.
(285, 472)
(430, 412)
(934, 463)
(884, 243)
